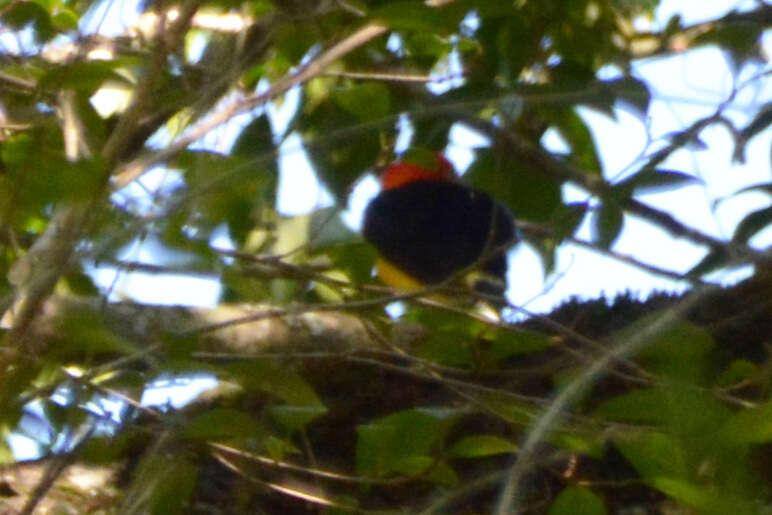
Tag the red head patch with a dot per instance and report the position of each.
(403, 172)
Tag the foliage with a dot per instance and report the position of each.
(431, 412)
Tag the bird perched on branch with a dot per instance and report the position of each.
(429, 228)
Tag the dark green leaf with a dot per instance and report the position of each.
(85, 76)
(279, 381)
(752, 224)
(368, 101)
(740, 39)
(19, 15)
(750, 425)
(650, 180)
(633, 91)
(505, 344)
(388, 445)
(607, 224)
(712, 261)
(576, 500)
(529, 193)
(294, 418)
(574, 130)
(653, 454)
(417, 16)
(760, 122)
(222, 423)
(174, 484)
(479, 446)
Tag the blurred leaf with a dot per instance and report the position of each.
(649, 180)
(21, 14)
(574, 130)
(222, 423)
(753, 223)
(653, 454)
(712, 261)
(294, 418)
(505, 344)
(527, 192)
(368, 101)
(388, 445)
(173, 486)
(739, 39)
(633, 91)
(607, 224)
(279, 381)
(760, 122)
(230, 189)
(764, 187)
(82, 331)
(479, 446)
(83, 75)
(749, 425)
(65, 19)
(327, 228)
(419, 17)
(681, 352)
(739, 370)
(575, 500)
(645, 406)
(451, 340)
(340, 148)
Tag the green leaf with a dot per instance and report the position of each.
(752, 224)
(528, 192)
(388, 445)
(294, 418)
(651, 180)
(739, 39)
(574, 130)
(760, 122)
(644, 406)
(633, 91)
(65, 19)
(607, 224)
(750, 425)
(368, 101)
(327, 228)
(176, 480)
(681, 352)
(505, 344)
(739, 370)
(21, 14)
(706, 499)
(82, 331)
(653, 454)
(219, 423)
(417, 16)
(576, 500)
(239, 189)
(82, 76)
(278, 380)
(479, 446)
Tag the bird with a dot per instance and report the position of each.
(429, 228)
